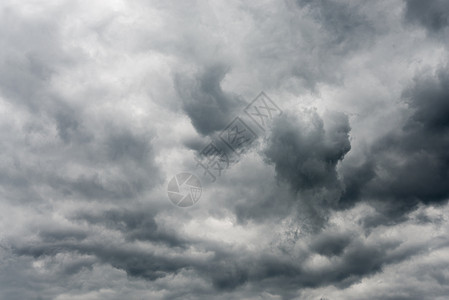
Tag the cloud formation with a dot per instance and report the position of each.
(344, 196)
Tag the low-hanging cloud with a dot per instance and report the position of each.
(343, 197)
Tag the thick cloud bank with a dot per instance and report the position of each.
(343, 195)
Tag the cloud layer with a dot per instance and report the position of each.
(343, 196)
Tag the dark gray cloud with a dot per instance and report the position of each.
(433, 14)
(409, 165)
(330, 244)
(305, 153)
(134, 225)
(353, 258)
(344, 197)
(203, 100)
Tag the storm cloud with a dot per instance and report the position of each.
(343, 195)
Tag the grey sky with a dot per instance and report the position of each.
(344, 197)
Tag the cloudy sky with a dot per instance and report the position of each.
(342, 196)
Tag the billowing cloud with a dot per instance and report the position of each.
(204, 101)
(408, 166)
(343, 196)
(305, 153)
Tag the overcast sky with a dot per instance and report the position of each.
(342, 196)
